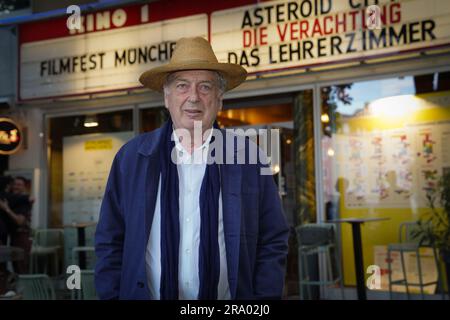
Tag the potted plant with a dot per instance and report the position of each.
(434, 227)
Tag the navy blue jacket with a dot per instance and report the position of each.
(255, 228)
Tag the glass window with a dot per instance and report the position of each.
(152, 118)
(385, 143)
(80, 152)
(277, 112)
(270, 113)
(8, 6)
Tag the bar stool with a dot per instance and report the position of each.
(318, 239)
(47, 243)
(87, 290)
(36, 287)
(407, 244)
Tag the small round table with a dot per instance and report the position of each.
(81, 236)
(357, 249)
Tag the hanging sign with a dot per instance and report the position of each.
(10, 136)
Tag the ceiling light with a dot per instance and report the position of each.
(91, 121)
(325, 118)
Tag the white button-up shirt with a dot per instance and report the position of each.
(191, 169)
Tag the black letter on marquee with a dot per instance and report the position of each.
(43, 67)
(247, 21)
(428, 27)
(336, 44)
(120, 60)
(350, 48)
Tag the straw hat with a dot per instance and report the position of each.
(193, 54)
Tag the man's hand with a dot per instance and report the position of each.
(17, 218)
(4, 205)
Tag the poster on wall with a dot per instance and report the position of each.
(393, 168)
(87, 160)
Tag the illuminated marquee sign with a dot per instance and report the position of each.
(10, 136)
(106, 54)
(113, 47)
(279, 35)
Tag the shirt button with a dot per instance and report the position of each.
(188, 220)
(188, 251)
(187, 283)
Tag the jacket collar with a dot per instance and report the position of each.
(150, 142)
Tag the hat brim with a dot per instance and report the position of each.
(234, 74)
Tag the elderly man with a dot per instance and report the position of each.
(174, 228)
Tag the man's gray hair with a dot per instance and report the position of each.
(221, 81)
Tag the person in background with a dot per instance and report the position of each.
(5, 182)
(16, 211)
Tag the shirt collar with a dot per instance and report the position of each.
(204, 146)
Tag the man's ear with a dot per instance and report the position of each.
(221, 101)
(165, 100)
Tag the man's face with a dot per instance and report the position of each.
(18, 186)
(193, 95)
